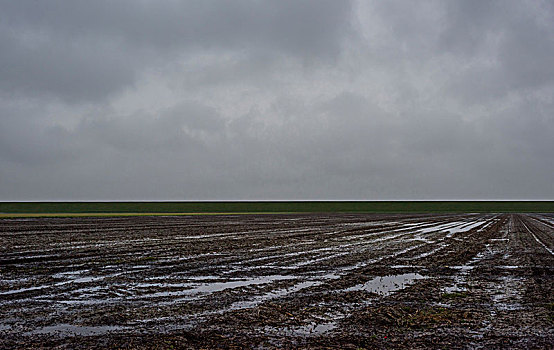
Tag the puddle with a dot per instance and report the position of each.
(458, 287)
(209, 288)
(407, 267)
(184, 275)
(385, 285)
(426, 254)
(362, 237)
(465, 227)
(304, 331)
(287, 255)
(454, 227)
(376, 260)
(507, 293)
(72, 330)
(462, 268)
(318, 328)
(69, 274)
(460, 278)
(282, 292)
(508, 267)
(441, 227)
(312, 261)
(15, 280)
(45, 286)
(272, 295)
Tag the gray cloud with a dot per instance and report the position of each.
(87, 50)
(276, 100)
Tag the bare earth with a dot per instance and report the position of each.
(278, 281)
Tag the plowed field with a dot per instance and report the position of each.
(278, 281)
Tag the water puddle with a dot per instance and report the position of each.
(460, 278)
(385, 285)
(465, 227)
(272, 295)
(15, 280)
(407, 266)
(426, 254)
(440, 227)
(454, 227)
(462, 268)
(508, 267)
(45, 286)
(72, 330)
(69, 274)
(209, 288)
(506, 293)
(312, 329)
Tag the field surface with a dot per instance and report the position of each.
(411, 281)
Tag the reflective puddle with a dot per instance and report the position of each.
(304, 330)
(385, 285)
(71, 330)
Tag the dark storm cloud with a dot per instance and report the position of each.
(276, 99)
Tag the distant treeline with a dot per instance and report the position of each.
(280, 207)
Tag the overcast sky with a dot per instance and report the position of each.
(246, 100)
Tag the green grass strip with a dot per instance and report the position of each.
(188, 208)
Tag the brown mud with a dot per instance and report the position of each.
(278, 281)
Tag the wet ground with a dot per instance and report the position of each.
(278, 281)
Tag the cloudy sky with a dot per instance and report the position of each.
(288, 99)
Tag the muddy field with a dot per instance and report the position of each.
(278, 281)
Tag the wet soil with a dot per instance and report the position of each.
(346, 281)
